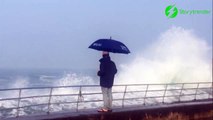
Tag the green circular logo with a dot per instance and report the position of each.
(171, 11)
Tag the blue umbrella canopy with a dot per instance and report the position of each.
(109, 45)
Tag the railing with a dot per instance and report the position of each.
(81, 97)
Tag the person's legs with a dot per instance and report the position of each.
(107, 97)
(109, 94)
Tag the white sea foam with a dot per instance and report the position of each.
(71, 79)
(177, 56)
(74, 79)
(20, 82)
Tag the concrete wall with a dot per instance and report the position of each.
(197, 110)
(182, 111)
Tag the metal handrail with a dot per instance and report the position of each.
(77, 86)
(181, 87)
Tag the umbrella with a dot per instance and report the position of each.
(109, 45)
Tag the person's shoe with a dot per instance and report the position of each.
(109, 110)
(104, 110)
(100, 110)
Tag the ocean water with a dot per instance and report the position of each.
(45, 77)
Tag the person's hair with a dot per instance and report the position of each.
(105, 55)
(105, 52)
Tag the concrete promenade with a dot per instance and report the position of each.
(131, 112)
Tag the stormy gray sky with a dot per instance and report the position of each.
(56, 33)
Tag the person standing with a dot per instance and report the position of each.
(107, 72)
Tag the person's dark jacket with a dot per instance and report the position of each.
(107, 72)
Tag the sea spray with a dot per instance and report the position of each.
(20, 82)
(177, 56)
(72, 79)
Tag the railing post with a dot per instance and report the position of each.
(164, 93)
(147, 87)
(49, 101)
(181, 91)
(79, 98)
(211, 93)
(18, 106)
(211, 89)
(124, 96)
(196, 91)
